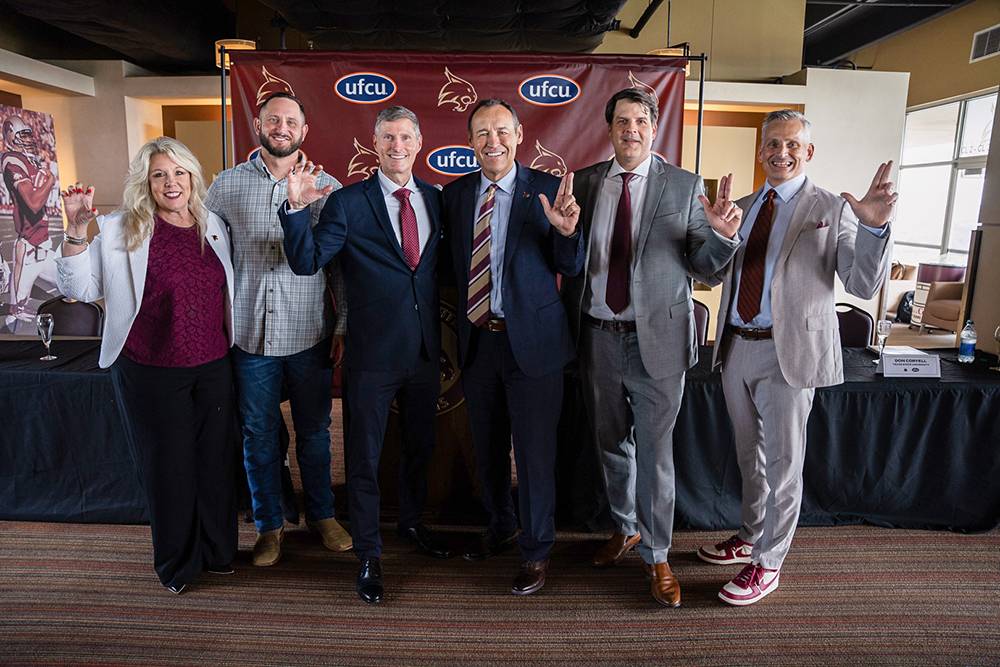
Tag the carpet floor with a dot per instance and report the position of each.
(73, 594)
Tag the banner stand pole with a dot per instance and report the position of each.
(701, 112)
(222, 102)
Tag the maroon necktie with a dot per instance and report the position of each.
(752, 275)
(620, 257)
(408, 228)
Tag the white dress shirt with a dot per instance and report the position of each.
(416, 201)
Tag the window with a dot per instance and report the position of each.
(941, 179)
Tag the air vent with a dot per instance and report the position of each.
(985, 43)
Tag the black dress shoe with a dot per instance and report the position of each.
(369, 584)
(489, 545)
(426, 540)
(530, 578)
(176, 590)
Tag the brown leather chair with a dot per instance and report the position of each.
(943, 307)
(701, 316)
(856, 325)
(74, 318)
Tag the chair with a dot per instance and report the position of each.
(74, 318)
(856, 325)
(701, 315)
(943, 307)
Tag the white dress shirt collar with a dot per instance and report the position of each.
(389, 186)
(642, 169)
(785, 191)
(506, 183)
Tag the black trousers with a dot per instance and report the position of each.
(507, 405)
(367, 397)
(178, 422)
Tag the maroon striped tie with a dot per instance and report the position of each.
(408, 228)
(478, 304)
(752, 275)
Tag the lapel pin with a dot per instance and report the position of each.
(215, 237)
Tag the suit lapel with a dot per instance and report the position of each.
(430, 196)
(592, 188)
(377, 201)
(654, 191)
(803, 207)
(467, 214)
(520, 206)
(138, 261)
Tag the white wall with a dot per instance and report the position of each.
(143, 122)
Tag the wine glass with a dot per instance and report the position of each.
(46, 323)
(996, 339)
(882, 331)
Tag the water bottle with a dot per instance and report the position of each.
(967, 346)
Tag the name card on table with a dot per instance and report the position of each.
(904, 361)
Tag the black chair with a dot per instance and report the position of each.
(701, 316)
(74, 318)
(856, 326)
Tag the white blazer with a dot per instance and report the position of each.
(106, 269)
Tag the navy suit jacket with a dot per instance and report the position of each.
(394, 311)
(534, 253)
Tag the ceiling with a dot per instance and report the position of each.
(176, 36)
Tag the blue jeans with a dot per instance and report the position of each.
(304, 378)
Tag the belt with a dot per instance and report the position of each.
(495, 324)
(749, 334)
(618, 326)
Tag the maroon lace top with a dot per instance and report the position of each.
(181, 322)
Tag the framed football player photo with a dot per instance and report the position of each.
(30, 217)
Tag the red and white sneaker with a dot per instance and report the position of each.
(751, 584)
(733, 550)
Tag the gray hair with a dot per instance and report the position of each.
(783, 115)
(396, 112)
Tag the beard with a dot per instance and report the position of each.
(278, 152)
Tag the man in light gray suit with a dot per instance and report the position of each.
(778, 336)
(647, 226)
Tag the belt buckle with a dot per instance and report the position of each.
(495, 325)
(753, 333)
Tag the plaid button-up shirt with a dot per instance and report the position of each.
(275, 312)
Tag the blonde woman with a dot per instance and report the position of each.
(162, 265)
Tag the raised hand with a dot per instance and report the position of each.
(564, 212)
(875, 209)
(302, 189)
(78, 202)
(724, 215)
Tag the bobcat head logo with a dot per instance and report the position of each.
(636, 83)
(457, 92)
(272, 85)
(548, 161)
(364, 163)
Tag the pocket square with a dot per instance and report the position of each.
(822, 224)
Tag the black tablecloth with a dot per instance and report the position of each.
(63, 454)
(897, 452)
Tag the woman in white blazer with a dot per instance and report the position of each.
(162, 265)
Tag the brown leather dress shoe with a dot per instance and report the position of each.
(531, 577)
(615, 549)
(664, 585)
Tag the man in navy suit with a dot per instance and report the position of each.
(508, 242)
(386, 231)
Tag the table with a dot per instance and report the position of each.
(63, 453)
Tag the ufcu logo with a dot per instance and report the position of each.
(365, 87)
(452, 160)
(549, 90)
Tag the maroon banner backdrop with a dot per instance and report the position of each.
(559, 99)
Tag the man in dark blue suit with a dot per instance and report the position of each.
(508, 242)
(386, 230)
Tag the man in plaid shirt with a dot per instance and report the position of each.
(283, 327)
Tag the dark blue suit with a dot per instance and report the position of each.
(513, 379)
(393, 341)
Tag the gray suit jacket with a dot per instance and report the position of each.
(675, 242)
(822, 240)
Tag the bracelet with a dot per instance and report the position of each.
(74, 240)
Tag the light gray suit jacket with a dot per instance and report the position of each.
(675, 242)
(822, 240)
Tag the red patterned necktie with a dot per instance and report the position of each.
(620, 256)
(752, 274)
(478, 303)
(408, 228)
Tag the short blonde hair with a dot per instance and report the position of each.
(138, 205)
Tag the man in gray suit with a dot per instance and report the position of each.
(778, 336)
(646, 225)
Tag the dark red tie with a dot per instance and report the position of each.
(408, 228)
(620, 257)
(752, 275)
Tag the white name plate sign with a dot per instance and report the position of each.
(907, 362)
